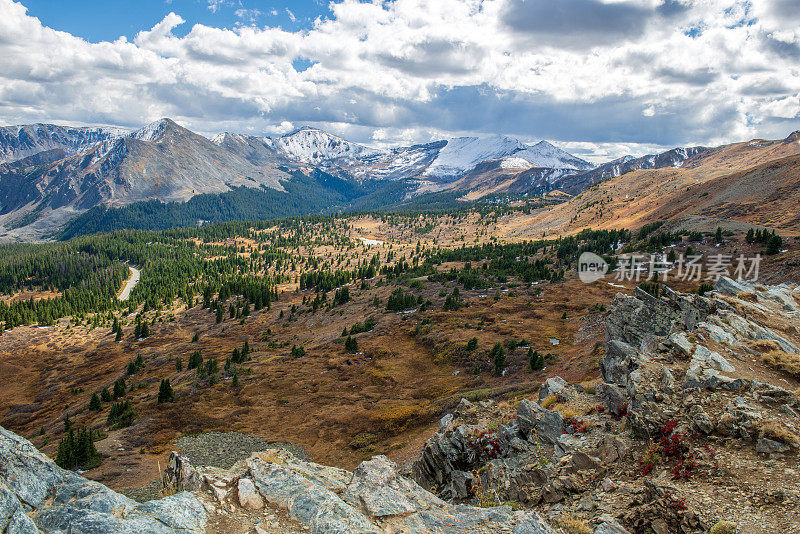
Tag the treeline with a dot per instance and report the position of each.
(304, 194)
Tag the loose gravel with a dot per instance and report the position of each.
(223, 449)
(216, 449)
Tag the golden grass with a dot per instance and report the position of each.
(778, 432)
(747, 296)
(398, 418)
(765, 345)
(549, 401)
(788, 363)
(573, 525)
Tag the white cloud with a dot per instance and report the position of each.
(404, 71)
(291, 15)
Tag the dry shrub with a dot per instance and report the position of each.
(363, 440)
(566, 412)
(778, 432)
(765, 345)
(788, 363)
(573, 525)
(394, 419)
(747, 295)
(590, 385)
(549, 401)
(724, 527)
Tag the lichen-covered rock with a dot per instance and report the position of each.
(180, 475)
(38, 496)
(615, 400)
(380, 491)
(701, 419)
(309, 502)
(247, 494)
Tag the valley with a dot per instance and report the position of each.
(339, 337)
(427, 319)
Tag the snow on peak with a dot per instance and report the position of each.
(311, 145)
(153, 132)
(545, 154)
(515, 164)
(461, 154)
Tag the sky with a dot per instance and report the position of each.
(600, 78)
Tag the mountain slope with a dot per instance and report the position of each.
(51, 174)
(734, 186)
(162, 161)
(19, 142)
(671, 158)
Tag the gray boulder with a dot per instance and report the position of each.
(552, 386)
(38, 496)
(609, 525)
(533, 419)
(380, 491)
(728, 286)
(709, 358)
(619, 361)
(615, 400)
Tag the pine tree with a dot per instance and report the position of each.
(105, 396)
(94, 403)
(774, 243)
(77, 449)
(498, 355)
(165, 393)
(119, 388)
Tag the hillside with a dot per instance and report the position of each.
(162, 161)
(735, 186)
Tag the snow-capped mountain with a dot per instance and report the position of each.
(671, 158)
(19, 142)
(438, 161)
(161, 161)
(313, 146)
(462, 154)
(49, 172)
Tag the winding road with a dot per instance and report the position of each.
(130, 283)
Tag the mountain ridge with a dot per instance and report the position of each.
(50, 174)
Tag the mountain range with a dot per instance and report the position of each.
(50, 174)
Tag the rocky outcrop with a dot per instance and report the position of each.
(38, 496)
(373, 499)
(651, 340)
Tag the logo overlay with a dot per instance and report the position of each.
(591, 267)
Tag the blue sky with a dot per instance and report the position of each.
(106, 20)
(600, 78)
